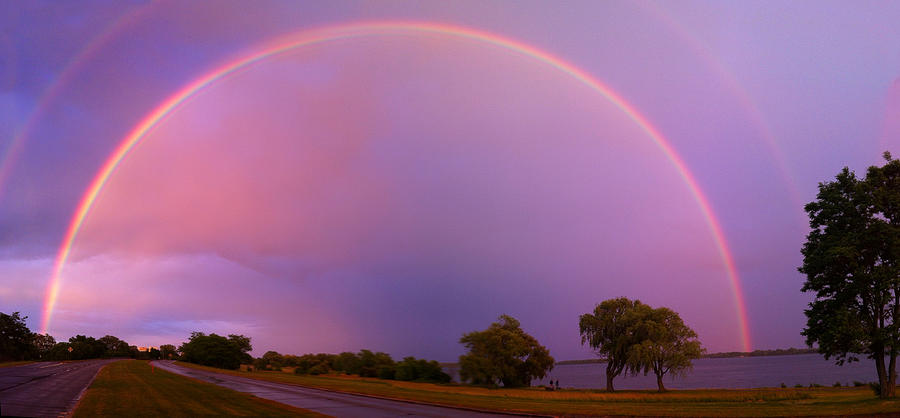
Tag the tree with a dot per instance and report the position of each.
(167, 351)
(851, 260)
(610, 331)
(505, 354)
(43, 344)
(216, 350)
(84, 347)
(114, 346)
(666, 344)
(15, 338)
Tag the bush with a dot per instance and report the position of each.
(783, 385)
(876, 387)
(798, 385)
(836, 384)
(857, 383)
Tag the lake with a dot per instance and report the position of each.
(738, 372)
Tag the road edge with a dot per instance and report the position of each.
(461, 408)
(77, 401)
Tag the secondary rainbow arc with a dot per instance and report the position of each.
(345, 31)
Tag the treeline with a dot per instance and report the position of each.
(364, 364)
(17, 343)
(727, 354)
(763, 353)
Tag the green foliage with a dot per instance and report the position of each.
(217, 351)
(16, 340)
(114, 347)
(347, 362)
(610, 331)
(634, 337)
(84, 347)
(851, 260)
(419, 370)
(168, 351)
(505, 354)
(315, 364)
(43, 344)
(666, 345)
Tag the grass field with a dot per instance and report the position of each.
(717, 402)
(14, 363)
(131, 388)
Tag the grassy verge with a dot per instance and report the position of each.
(14, 363)
(713, 402)
(131, 388)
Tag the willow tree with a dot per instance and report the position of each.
(851, 260)
(665, 345)
(610, 331)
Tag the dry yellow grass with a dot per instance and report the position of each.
(719, 402)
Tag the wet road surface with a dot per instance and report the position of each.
(321, 401)
(45, 389)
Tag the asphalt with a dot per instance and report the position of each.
(45, 389)
(326, 402)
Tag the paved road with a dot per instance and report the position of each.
(45, 389)
(325, 402)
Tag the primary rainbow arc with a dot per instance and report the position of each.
(356, 30)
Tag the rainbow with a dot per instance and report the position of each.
(51, 93)
(749, 106)
(356, 30)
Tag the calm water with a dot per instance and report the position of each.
(747, 372)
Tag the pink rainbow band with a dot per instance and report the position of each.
(356, 30)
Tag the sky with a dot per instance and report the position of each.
(389, 175)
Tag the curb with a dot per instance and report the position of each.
(74, 404)
(461, 408)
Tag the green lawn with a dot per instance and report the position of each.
(720, 402)
(131, 388)
(14, 363)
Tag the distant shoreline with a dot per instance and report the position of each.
(729, 354)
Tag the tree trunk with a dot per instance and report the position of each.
(882, 374)
(891, 377)
(659, 383)
(609, 378)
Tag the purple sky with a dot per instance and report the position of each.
(395, 192)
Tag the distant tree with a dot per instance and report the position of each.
(43, 344)
(114, 347)
(505, 354)
(271, 360)
(664, 344)
(15, 338)
(217, 351)
(243, 344)
(347, 362)
(412, 369)
(376, 365)
(851, 260)
(60, 351)
(84, 347)
(168, 351)
(611, 331)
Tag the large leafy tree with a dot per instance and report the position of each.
(664, 344)
(43, 344)
(851, 260)
(503, 354)
(15, 337)
(611, 331)
(217, 351)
